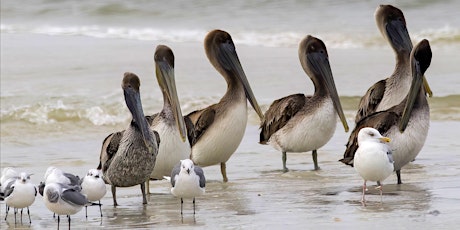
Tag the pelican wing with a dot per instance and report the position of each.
(190, 131)
(370, 100)
(279, 113)
(382, 121)
(204, 118)
(109, 149)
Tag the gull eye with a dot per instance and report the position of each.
(371, 134)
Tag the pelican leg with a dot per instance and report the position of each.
(147, 183)
(285, 169)
(398, 174)
(223, 170)
(114, 195)
(315, 159)
(144, 199)
(363, 199)
(193, 205)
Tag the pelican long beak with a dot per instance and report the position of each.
(417, 81)
(166, 80)
(133, 101)
(230, 61)
(397, 34)
(427, 87)
(320, 63)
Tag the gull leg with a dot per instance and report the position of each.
(28, 213)
(285, 169)
(315, 159)
(15, 212)
(381, 192)
(181, 205)
(7, 208)
(363, 199)
(223, 170)
(21, 214)
(144, 199)
(114, 195)
(100, 208)
(68, 217)
(59, 220)
(398, 174)
(193, 205)
(86, 211)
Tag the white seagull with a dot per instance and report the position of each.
(64, 199)
(373, 160)
(187, 181)
(19, 193)
(56, 175)
(93, 186)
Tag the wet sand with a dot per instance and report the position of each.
(259, 196)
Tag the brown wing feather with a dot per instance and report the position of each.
(382, 121)
(369, 102)
(109, 148)
(203, 119)
(279, 113)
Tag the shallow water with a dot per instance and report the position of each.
(259, 195)
(61, 68)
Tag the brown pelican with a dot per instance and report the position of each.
(389, 92)
(169, 123)
(128, 157)
(299, 123)
(406, 123)
(220, 127)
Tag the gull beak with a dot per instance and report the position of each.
(385, 139)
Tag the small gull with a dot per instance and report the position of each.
(187, 181)
(373, 160)
(64, 199)
(19, 193)
(93, 186)
(56, 175)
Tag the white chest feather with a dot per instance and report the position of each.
(407, 145)
(222, 138)
(93, 188)
(307, 133)
(372, 163)
(22, 196)
(187, 186)
(171, 150)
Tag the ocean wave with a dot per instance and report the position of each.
(58, 112)
(116, 113)
(446, 35)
